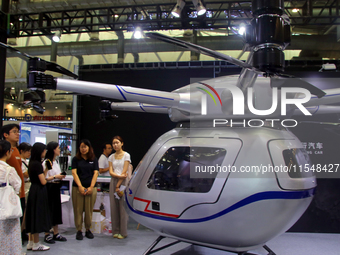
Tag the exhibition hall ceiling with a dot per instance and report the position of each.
(91, 31)
(31, 18)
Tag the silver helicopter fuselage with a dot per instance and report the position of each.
(237, 210)
(243, 208)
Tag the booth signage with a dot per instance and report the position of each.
(29, 117)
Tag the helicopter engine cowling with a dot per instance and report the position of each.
(236, 210)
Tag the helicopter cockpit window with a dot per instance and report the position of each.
(172, 172)
(296, 160)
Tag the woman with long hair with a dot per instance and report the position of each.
(85, 172)
(119, 163)
(53, 178)
(37, 213)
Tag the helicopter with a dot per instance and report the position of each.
(230, 169)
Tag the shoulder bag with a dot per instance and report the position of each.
(10, 207)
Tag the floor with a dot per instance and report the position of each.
(139, 240)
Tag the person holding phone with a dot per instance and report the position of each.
(119, 164)
(53, 178)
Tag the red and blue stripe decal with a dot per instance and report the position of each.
(267, 195)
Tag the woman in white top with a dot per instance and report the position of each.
(10, 233)
(53, 178)
(119, 163)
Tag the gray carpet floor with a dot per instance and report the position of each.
(139, 240)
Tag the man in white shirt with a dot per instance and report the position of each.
(103, 160)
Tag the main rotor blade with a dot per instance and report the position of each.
(199, 49)
(47, 65)
(22, 55)
(59, 69)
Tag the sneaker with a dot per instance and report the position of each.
(40, 247)
(115, 235)
(59, 237)
(79, 235)
(89, 234)
(120, 236)
(29, 245)
(48, 239)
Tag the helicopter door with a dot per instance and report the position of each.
(168, 189)
(290, 159)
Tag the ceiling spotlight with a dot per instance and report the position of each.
(242, 29)
(138, 33)
(295, 10)
(199, 7)
(56, 36)
(176, 11)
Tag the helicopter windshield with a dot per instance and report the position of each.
(172, 172)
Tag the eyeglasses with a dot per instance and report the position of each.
(15, 132)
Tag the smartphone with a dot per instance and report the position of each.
(63, 173)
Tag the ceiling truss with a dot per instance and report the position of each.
(150, 17)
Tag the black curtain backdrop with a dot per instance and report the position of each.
(140, 130)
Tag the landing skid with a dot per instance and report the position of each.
(151, 249)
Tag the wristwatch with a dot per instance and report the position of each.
(53, 177)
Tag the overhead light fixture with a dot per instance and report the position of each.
(56, 36)
(176, 11)
(199, 7)
(295, 10)
(138, 33)
(242, 29)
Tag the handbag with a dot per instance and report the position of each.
(10, 207)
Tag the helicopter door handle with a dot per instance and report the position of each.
(155, 206)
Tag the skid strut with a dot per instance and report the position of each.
(151, 249)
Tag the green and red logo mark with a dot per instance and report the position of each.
(204, 102)
(209, 93)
